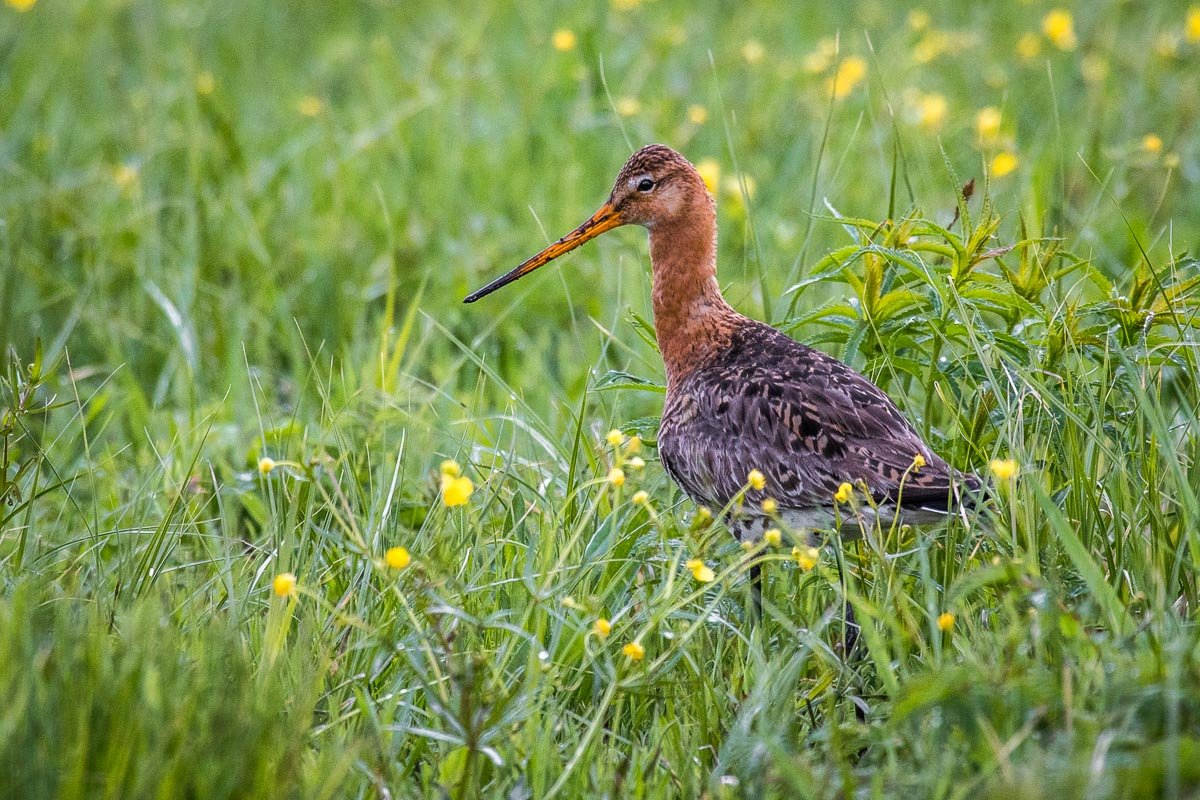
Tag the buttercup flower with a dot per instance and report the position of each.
(710, 172)
(700, 571)
(284, 584)
(753, 51)
(397, 557)
(987, 124)
(697, 114)
(806, 557)
(1003, 164)
(309, 106)
(456, 491)
(616, 476)
(563, 40)
(1029, 46)
(773, 537)
(615, 438)
(849, 73)
(756, 480)
(844, 493)
(628, 106)
(634, 651)
(945, 621)
(640, 498)
(1059, 27)
(602, 628)
(1005, 469)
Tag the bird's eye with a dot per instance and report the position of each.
(645, 185)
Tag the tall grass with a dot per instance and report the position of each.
(230, 232)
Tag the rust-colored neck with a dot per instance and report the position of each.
(691, 318)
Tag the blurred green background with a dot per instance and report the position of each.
(244, 230)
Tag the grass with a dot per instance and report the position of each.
(236, 231)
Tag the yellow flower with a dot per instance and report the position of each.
(1004, 163)
(634, 651)
(1191, 30)
(634, 445)
(1166, 45)
(697, 114)
(773, 537)
(640, 498)
(635, 463)
(1029, 46)
(21, 5)
(1093, 68)
(931, 111)
(700, 571)
(918, 462)
(206, 84)
(602, 628)
(1152, 143)
(844, 493)
(265, 465)
(563, 40)
(756, 480)
(615, 438)
(309, 106)
(1005, 469)
(710, 171)
(284, 584)
(769, 506)
(397, 557)
(945, 621)
(125, 176)
(849, 73)
(734, 184)
(450, 468)
(456, 491)
(918, 19)
(806, 557)
(616, 476)
(820, 59)
(987, 124)
(753, 51)
(703, 515)
(628, 106)
(932, 45)
(1059, 27)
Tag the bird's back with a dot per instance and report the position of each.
(806, 421)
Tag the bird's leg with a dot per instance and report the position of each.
(850, 630)
(756, 590)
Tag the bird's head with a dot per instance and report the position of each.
(657, 185)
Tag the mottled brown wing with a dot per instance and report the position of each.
(807, 421)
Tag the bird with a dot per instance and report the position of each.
(743, 397)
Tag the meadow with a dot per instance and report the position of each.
(281, 517)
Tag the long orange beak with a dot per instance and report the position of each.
(603, 220)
